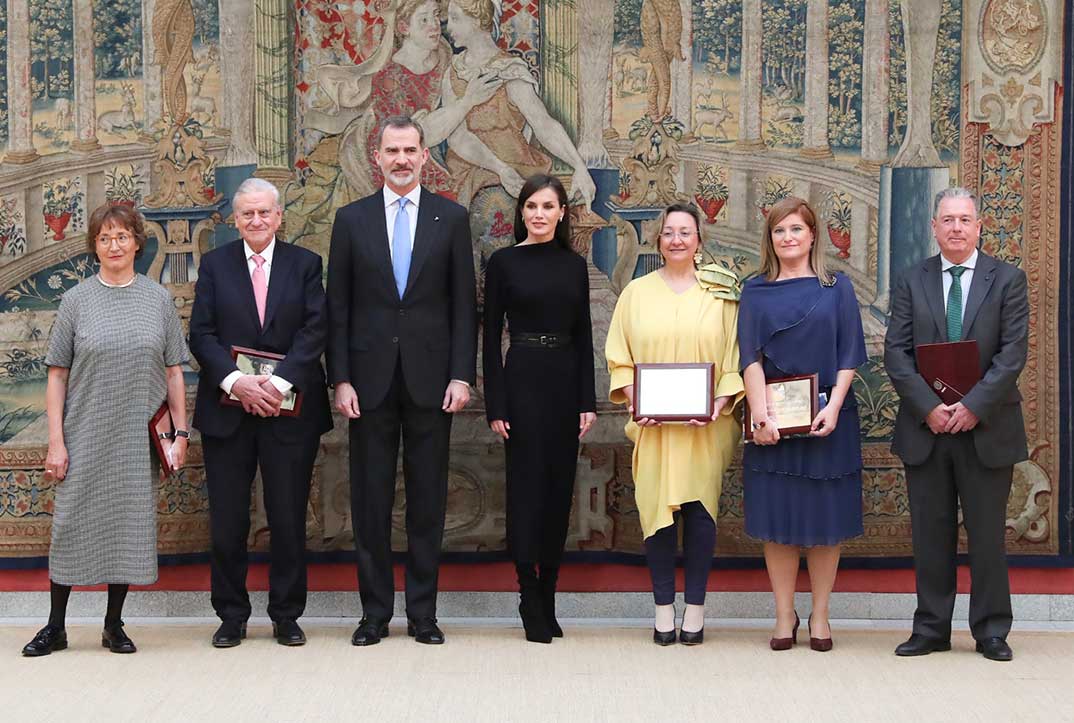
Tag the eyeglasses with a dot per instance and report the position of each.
(670, 235)
(122, 239)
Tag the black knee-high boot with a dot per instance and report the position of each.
(548, 577)
(529, 606)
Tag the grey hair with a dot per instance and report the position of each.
(400, 121)
(257, 185)
(955, 192)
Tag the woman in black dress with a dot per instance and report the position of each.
(541, 400)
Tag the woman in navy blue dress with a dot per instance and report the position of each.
(804, 492)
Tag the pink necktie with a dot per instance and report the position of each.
(260, 287)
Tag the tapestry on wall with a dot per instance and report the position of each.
(863, 107)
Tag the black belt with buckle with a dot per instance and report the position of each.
(540, 341)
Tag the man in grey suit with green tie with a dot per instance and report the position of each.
(964, 453)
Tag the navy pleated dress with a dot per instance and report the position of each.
(806, 490)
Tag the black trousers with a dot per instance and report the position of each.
(951, 475)
(374, 453)
(230, 464)
(698, 542)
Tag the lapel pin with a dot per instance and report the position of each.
(436, 218)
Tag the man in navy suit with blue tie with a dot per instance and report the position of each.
(401, 354)
(266, 295)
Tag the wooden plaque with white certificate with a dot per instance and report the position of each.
(673, 392)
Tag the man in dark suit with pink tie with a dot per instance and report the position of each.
(961, 454)
(266, 295)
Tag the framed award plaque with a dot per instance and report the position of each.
(673, 392)
(252, 361)
(792, 401)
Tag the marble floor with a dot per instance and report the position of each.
(602, 670)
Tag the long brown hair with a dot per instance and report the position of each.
(769, 267)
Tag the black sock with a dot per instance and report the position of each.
(59, 595)
(116, 595)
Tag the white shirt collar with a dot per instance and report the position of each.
(969, 263)
(266, 254)
(391, 196)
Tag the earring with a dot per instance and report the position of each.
(698, 258)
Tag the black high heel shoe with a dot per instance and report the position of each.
(530, 608)
(664, 638)
(692, 638)
(786, 643)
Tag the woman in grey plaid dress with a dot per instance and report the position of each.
(114, 355)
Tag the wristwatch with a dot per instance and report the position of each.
(181, 433)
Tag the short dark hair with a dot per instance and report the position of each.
(533, 184)
(400, 121)
(121, 215)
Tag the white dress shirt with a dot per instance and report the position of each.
(966, 279)
(280, 383)
(391, 210)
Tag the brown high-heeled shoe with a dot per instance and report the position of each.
(821, 645)
(786, 643)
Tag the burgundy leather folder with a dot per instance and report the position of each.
(951, 368)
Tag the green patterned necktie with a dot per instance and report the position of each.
(954, 304)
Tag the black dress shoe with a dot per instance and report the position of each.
(287, 632)
(918, 644)
(664, 637)
(424, 630)
(113, 638)
(47, 639)
(695, 638)
(995, 649)
(369, 632)
(229, 634)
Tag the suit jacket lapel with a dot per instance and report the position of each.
(425, 235)
(983, 275)
(278, 280)
(933, 280)
(246, 287)
(376, 236)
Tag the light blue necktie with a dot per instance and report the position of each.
(401, 249)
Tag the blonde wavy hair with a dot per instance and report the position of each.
(483, 11)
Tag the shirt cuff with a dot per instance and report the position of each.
(460, 381)
(281, 384)
(229, 381)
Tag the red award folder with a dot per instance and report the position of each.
(951, 368)
(160, 427)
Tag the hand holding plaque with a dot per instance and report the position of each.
(793, 403)
(673, 392)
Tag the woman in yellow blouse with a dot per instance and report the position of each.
(679, 313)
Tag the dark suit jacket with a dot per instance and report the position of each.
(225, 315)
(997, 317)
(432, 329)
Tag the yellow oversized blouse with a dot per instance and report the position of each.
(678, 463)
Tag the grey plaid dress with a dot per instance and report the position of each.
(117, 342)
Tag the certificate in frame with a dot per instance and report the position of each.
(673, 392)
(794, 402)
(252, 361)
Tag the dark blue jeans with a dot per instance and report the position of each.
(698, 542)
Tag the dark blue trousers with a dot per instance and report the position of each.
(698, 542)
